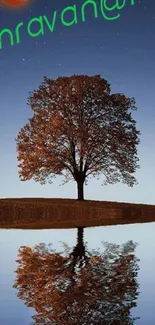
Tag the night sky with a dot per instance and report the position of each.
(122, 51)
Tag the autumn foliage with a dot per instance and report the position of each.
(102, 291)
(78, 130)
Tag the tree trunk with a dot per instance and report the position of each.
(80, 236)
(80, 186)
(79, 251)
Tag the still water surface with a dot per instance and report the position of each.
(13, 308)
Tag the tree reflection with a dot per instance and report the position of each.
(79, 287)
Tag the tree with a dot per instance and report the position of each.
(103, 291)
(78, 130)
(78, 255)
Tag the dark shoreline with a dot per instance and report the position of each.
(46, 213)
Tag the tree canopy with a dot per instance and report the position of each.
(79, 130)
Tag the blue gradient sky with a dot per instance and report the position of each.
(121, 51)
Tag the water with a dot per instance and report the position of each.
(13, 310)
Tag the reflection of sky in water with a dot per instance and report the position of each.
(14, 312)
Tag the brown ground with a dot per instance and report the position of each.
(40, 213)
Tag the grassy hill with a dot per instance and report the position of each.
(38, 213)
